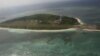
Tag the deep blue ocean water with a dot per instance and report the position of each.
(62, 43)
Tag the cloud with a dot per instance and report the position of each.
(10, 3)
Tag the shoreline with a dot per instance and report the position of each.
(29, 30)
(60, 30)
(91, 30)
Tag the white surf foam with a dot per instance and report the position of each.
(27, 30)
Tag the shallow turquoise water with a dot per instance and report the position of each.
(67, 43)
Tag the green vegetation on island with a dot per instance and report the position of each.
(41, 21)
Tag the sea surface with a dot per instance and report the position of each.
(71, 42)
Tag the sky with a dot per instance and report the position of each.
(11, 3)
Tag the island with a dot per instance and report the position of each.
(42, 22)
